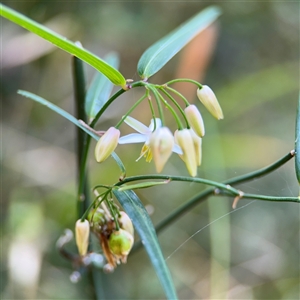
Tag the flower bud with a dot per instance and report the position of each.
(97, 219)
(209, 100)
(195, 119)
(198, 147)
(82, 232)
(161, 144)
(185, 141)
(125, 223)
(107, 144)
(120, 242)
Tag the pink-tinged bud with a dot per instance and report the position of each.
(195, 119)
(209, 100)
(125, 223)
(107, 144)
(185, 141)
(120, 242)
(161, 144)
(82, 232)
(198, 147)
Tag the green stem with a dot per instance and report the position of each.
(178, 107)
(106, 105)
(152, 110)
(201, 197)
(113, 213)
(263, 171)
(86, 213)
(181, 178)
(187, 103)
(199, 85)
(130, 110)
(156, 96)
(170, 108)
(79, 89)
(271, 198)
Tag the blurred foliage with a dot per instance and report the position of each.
(254, 71)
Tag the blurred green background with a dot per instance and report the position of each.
(251, 60)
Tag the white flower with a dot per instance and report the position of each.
(143, 136)
(161, 144)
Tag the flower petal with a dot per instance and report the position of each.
(136, 125)
(177, 149)
(133, 138)
(157, 122)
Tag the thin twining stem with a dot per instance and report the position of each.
(221, 186)
(199, 198)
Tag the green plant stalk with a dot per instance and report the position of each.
(199, 85)
(156, 96)
(152, 110)
(83, 198)
(201, 197)
(187, 103)
(222, 186)
(170, 108)
(197, 199)
(131, 110)
(178, 107)
(112, 99)
(92, 204)
(226, 187)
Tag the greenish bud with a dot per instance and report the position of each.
(120, 242)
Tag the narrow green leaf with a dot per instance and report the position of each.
(100, 89)
(297, 143)
(61, 42)
(155, 57)
(72, 119)
(141, 185)
(143, 225)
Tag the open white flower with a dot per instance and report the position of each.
(143, 136)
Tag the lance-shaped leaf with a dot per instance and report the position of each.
(61, 42)
(143, 225)
(142, 185)
(155, 57)
(72, 119)
(297, 143)
(100, 88)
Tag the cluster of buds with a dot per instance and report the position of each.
(159, 142)
(116, 244)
